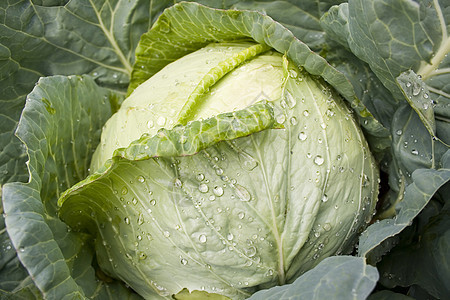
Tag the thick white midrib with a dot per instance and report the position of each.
(429, 70)
(275, 230)
(111, 39)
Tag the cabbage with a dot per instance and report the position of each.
(228, 171)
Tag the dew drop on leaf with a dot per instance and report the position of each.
(302, 136)
(318, 160)
(242, 193)
(184, 261)
(218, 191)
(177, 183)
(124, 190)
(202, 238)
(250, 251)
(203, 188)
(140, 220)
(281, 118)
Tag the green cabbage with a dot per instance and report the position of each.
(229, 171)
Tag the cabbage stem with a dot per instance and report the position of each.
(214, 75)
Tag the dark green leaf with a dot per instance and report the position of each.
(70, 112)
(424, 262)
(51, 37)
(388, 295)
(425, 183)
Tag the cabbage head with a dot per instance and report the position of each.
(229, 171)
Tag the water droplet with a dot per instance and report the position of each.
(140, 220)
(302, 136)
(318, 160)
(219, 171)
(281, 118)
(230, 236)
(166, 234)
(161, 121)
(142, 256)
(200, 177)
(242, 193)
(141, 179)
(327, 226)
(248, 162)
(306, 113)
(241, 215)
(134, 201)
(127, 220)
(203, 188)
(289, 99)
(150, 124)
(414, 152)
(202, 238)
(153, 202)
(124, 190)
(177, 183)
(399, 132)
(269, 272)
(324, 198)
(416, 89)
(218, 191)
(250, 251)
(330, 113)
(183, 261)
(293, 73)
(294, 121)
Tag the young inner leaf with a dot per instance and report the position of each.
(214, 75)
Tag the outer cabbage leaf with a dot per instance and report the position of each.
(395, 36)
(60, 37)
(350, 278)
(425, 183)
(40, 38)
(60, 127)
(425, 264)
